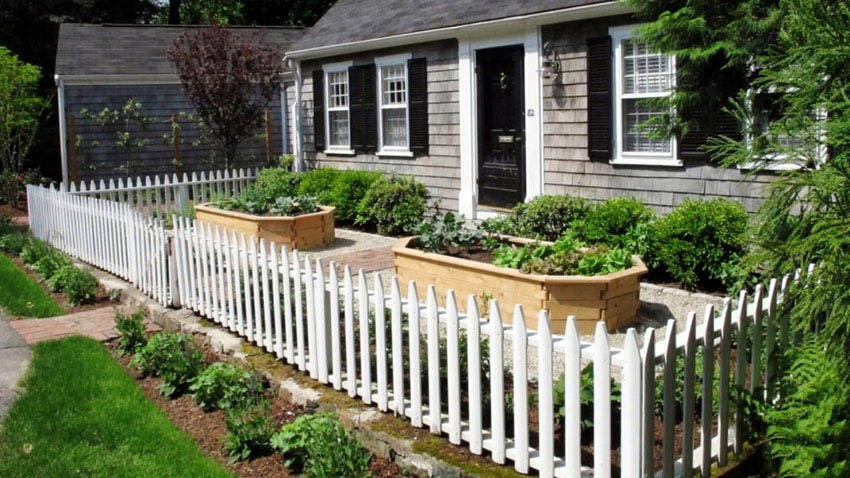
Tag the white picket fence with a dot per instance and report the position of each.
(335, 326)
(167, 194)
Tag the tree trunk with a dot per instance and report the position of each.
(174, 12)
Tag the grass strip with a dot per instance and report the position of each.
(82, 415)
(20, 295)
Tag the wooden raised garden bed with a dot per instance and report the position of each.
(613, 298)
(296, 232)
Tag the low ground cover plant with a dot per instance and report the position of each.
(250, 432)
(257, 201)
(171, 357)
(320, 447)
(226, 386)
(13, 243)
(566, 256)
(79, 285)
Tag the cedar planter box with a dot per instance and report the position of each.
(613, 298)
(295, 232)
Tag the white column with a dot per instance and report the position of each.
(468, 200)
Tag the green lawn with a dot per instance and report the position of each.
(21, 295)
(82, 415)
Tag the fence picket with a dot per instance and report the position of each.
(413, 347)
(287, 305)
(336, 353)
(266, 336)
(520, 379)
(723, 390)
(321, 319)
(740, 369)
(350, 339)
(299, 312)
(397, 346)
(380, 341)
(545, 397)
(601, 400)
(497, 385)
(434, 412)
(707, 390)
(365, 361)
(453, 366)
(278, 325)
(688, 398)
(473, 360)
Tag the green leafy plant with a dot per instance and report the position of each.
(34, 250)
(566, 256)
(131, 330)
(439, 234)
(617, 223)
(6, 225)
(278, 182)
(548, 217)
(171, 357)
(319, 446)
(697, 242)
(250, 432)
(393, 205)
(347, 190)
(293, 206)
(226, 386)
(585, 397)
(13, 243)
(318, 183)
(48, 265)
(80, 286)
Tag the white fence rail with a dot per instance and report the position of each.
(167, 194)
(445, 370)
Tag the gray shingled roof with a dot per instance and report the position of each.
(356, 20)
(86, 49)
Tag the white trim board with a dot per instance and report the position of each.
(134, 79)
(531, 41)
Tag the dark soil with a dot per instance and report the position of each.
(208, 428)
(101, 298)
(19, 211)
(474, 253)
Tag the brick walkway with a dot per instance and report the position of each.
(370, 260)
(98, 324)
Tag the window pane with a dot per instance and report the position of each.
(636, 137)
(338, 89)
(338, 126)
(394, 85)
(645, 71)
(395, 127)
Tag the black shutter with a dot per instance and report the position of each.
(362, 108)
(319, 110)
(702, 126)
(417, 100)
(599, 98)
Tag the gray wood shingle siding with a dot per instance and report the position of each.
(567, 169)
(440, 169)
(159, 102)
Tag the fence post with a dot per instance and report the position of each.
(176, 300)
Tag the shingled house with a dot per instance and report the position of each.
(105, 66)
(490, 104)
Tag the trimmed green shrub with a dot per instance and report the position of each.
(318, 183)
(278, 182)
(225, 386)
(79, 285)
(171, 357)
(48, 265)
(618, 222)
(13, 243)
(249, 432)
(348, 189)
(320, 447)
(132, 331)
(701, 243)
(393, 205)
(548, 217)
(34, 250)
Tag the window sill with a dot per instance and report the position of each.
(780, 165)
(395, 154)
(339, 152)
(668, 162)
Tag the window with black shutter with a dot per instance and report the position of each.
(319, 110)
(362, 110)
(599, 98)
(417, 75)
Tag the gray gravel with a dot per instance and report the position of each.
(348, 241)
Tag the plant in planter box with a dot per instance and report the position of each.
(566, 256)
(293, 206)
(448, 232)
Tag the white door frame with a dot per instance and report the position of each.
(467, 46)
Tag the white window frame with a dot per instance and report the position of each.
(618, 35)
(328, 69)
(380, 62)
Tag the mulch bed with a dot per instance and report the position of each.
(208, 428)
(101, 298)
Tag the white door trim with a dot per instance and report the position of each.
(467, 46)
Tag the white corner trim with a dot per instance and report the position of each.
(134, 79)
(297, 121)
(533, 96)
(63, 132)
(283, 113)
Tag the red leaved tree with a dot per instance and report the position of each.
(230, 79)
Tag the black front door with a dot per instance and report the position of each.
(501, 126)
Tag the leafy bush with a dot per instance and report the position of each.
(441, 234)
(48, 265)
(700, 242)
(809, 432)
(171, 357)
(132, 331)
(348, 189)
(293, 206)
(13, 243)
(618, 223)
(318, 183)
(567, 256)
(278, 182)
(393, 205)
(320, 447)
(34, 250)
(548, 217)
(250, 432)
(79, 285)
(225, 386)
